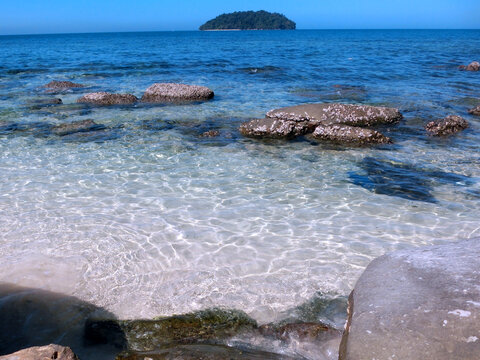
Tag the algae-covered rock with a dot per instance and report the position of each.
(203, 352)
(447, 126)
(344, 134)
(302, 331)
(148, 335)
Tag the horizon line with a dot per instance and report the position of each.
(197, 30)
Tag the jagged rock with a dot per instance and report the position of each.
(148, 335)
(331, 113)
(165, 92)
(62, 85)
(275, 128)
(475, 111)
(105, 98)
(202, 352)
(47, 352)
(345, 134)
(417, 304)
(473, 66)
(447, 126)
(76, 126)
(210, 133)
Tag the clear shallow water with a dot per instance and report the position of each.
(149, 219)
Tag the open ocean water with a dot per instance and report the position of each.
(149, 219)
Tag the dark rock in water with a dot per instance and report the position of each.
(349, 135)
(447, 126)
(148, 335)
(210, 134)
(332, 113)
(473, 66)
(105, 98)
(51, 351)
(417, 304)
(76, 126)
(202, 352)
(46, 102)
(165, 92)
(302, 331)
(475, 111)
(393, 178)
(62, 85)
(276, 129)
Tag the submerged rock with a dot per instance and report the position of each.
(475, 111)
(105, 98)
(302, 331)
(203, 352)
(210, 134)
(447, 126)
(275, 128)
(76, 126)
(473, 66)
(62, 85)
(164, 92)
(148, 335)
(345, 134)
(45, 102)
(332, 113)
(51, 351)
(417, 304)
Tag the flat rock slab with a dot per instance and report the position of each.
(351, 135)
(417, 304)
(47, 352)
(276, 128)
(106, 98)
(331, 113)
(447, 126)
(164, 92)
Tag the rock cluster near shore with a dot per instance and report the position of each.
(417, 304)
(343, 123)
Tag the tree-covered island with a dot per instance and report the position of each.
(249, 20)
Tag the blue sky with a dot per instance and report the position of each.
(55, 16)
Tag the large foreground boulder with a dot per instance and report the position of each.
(47, 352)
(332, 113)
(344, 134)
(56, 85)
(166, 92)
(106, 98)
(447, 126)
(473, 66)
(475, 111)
(417, 304)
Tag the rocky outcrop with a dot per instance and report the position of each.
(76, 126)
(167, 92)
(105, 98)
(475, 111)
(347, 114)
(47, 352)
(447, 126)
(62, 85)
(417, 304)
(335, 122)
(473, 66)
(345, 134)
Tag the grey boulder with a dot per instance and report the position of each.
(106, 98)
(417, 304)
(345, 134)
(47, 352)
(447, 126)
(167, 92)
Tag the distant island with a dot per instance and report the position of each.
(249, 20)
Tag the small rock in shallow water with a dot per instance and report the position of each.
(210, 133)
(62, 85)
(162, 92)
(76, 126)
(349, 135)
(473, 66)
(275, 128)
(105, 98)
(475, 111)
(51, 351)
(447, 126)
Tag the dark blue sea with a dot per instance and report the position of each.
(147, 218)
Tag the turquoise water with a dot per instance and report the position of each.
(150, 219)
